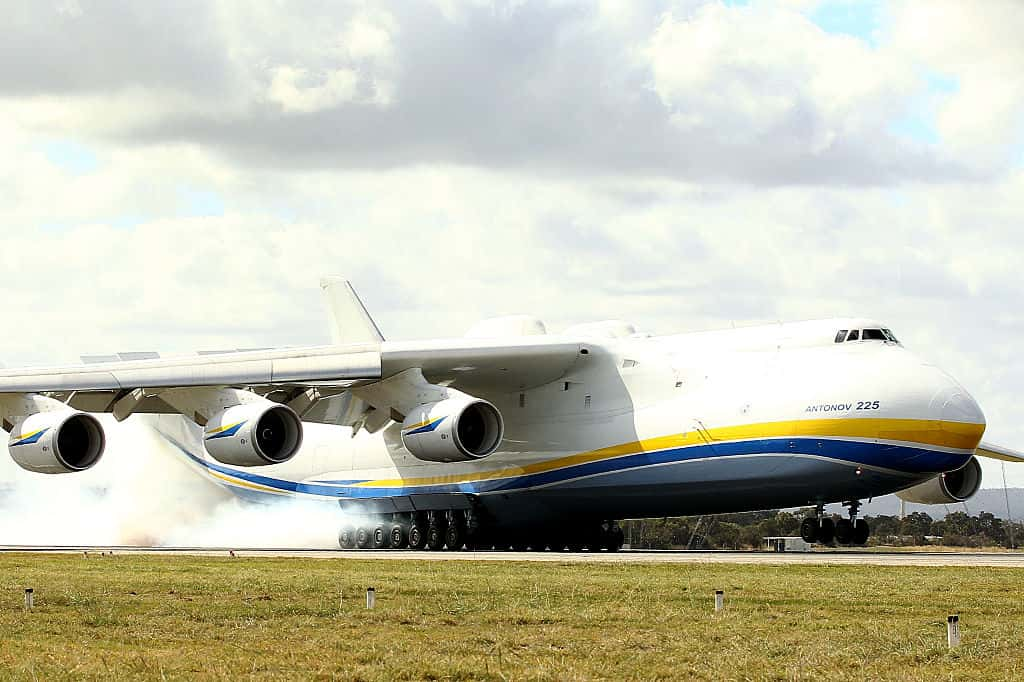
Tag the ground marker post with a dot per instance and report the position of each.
(953, 631)
(29, 598)
(371, 597)
(719, 600)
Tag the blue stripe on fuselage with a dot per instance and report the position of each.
(902, 459)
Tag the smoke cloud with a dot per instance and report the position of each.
(143, 493)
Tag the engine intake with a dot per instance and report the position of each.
(59, 442)
(952, 486)
(457, 429)
(254, 434)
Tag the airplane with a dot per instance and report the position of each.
(510, 437)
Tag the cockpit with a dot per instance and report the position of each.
(867, 334)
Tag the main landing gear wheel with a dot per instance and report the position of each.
(615, 539)
(381, 538)
(347, 537)
(398, 538)
(454, 536)
(363, 537)
(435, 537)
(417, 536)
(809, 530)
(861, 532)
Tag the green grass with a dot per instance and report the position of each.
(177, 617)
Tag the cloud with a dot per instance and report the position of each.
(704, 92)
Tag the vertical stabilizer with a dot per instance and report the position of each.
(350, 323)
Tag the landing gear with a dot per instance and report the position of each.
(854, 531)
(474, 529)
(861, 532)
(455, 533)
(347, 537)
(844, 531)
(818, 528)
(417, 533)
(381, 538)
(435, 531)
(398, 536)
(363, 537)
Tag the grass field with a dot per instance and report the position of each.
(167, 617)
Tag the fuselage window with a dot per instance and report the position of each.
(854, 335)
(873, 335)
(841, 336)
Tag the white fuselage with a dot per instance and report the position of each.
(772, 416)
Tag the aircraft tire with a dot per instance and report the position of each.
(861, 532)
(826, 531)
(454, 536)
(364, 537)
(347, 537)
(417, 536)
(435, 537)
(381, 538)
(398, 537)
(844, 531)
(809, 529)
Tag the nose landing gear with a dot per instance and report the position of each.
(818, 528)
(822, 529)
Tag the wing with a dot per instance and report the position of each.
(993, 451)
(315, 381)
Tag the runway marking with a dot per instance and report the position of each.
(836, 558)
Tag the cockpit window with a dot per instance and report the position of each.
(854, 335)
(889, 335)
(873, 335)
(841, 336)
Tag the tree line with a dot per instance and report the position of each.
(747, 530)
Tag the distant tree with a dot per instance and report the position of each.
(917, 525)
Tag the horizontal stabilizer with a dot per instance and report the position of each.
(999, 452)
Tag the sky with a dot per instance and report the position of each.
(177, 176)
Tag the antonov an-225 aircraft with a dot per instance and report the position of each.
(511, 437)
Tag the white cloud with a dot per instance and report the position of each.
(748, 71)
(295, 89)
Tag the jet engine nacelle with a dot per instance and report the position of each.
(456, 429)
(254, 434)
(59, 442)
(952, 486)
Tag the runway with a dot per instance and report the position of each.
(821, 557)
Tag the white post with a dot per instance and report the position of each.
(719, 600)
(371, 597)
(29, 599)
(953, 631)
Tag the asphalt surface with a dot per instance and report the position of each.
(830, 557)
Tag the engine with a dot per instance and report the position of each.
(952, 486)
(254, 434)
(57, 442)
(456, 429)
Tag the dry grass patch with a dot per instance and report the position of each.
(181, 617)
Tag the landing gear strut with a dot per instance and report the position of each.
(818, 528)
(852, 531)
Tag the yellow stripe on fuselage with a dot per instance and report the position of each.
(955, 435)
(244, 484)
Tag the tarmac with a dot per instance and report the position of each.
(814, 557)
